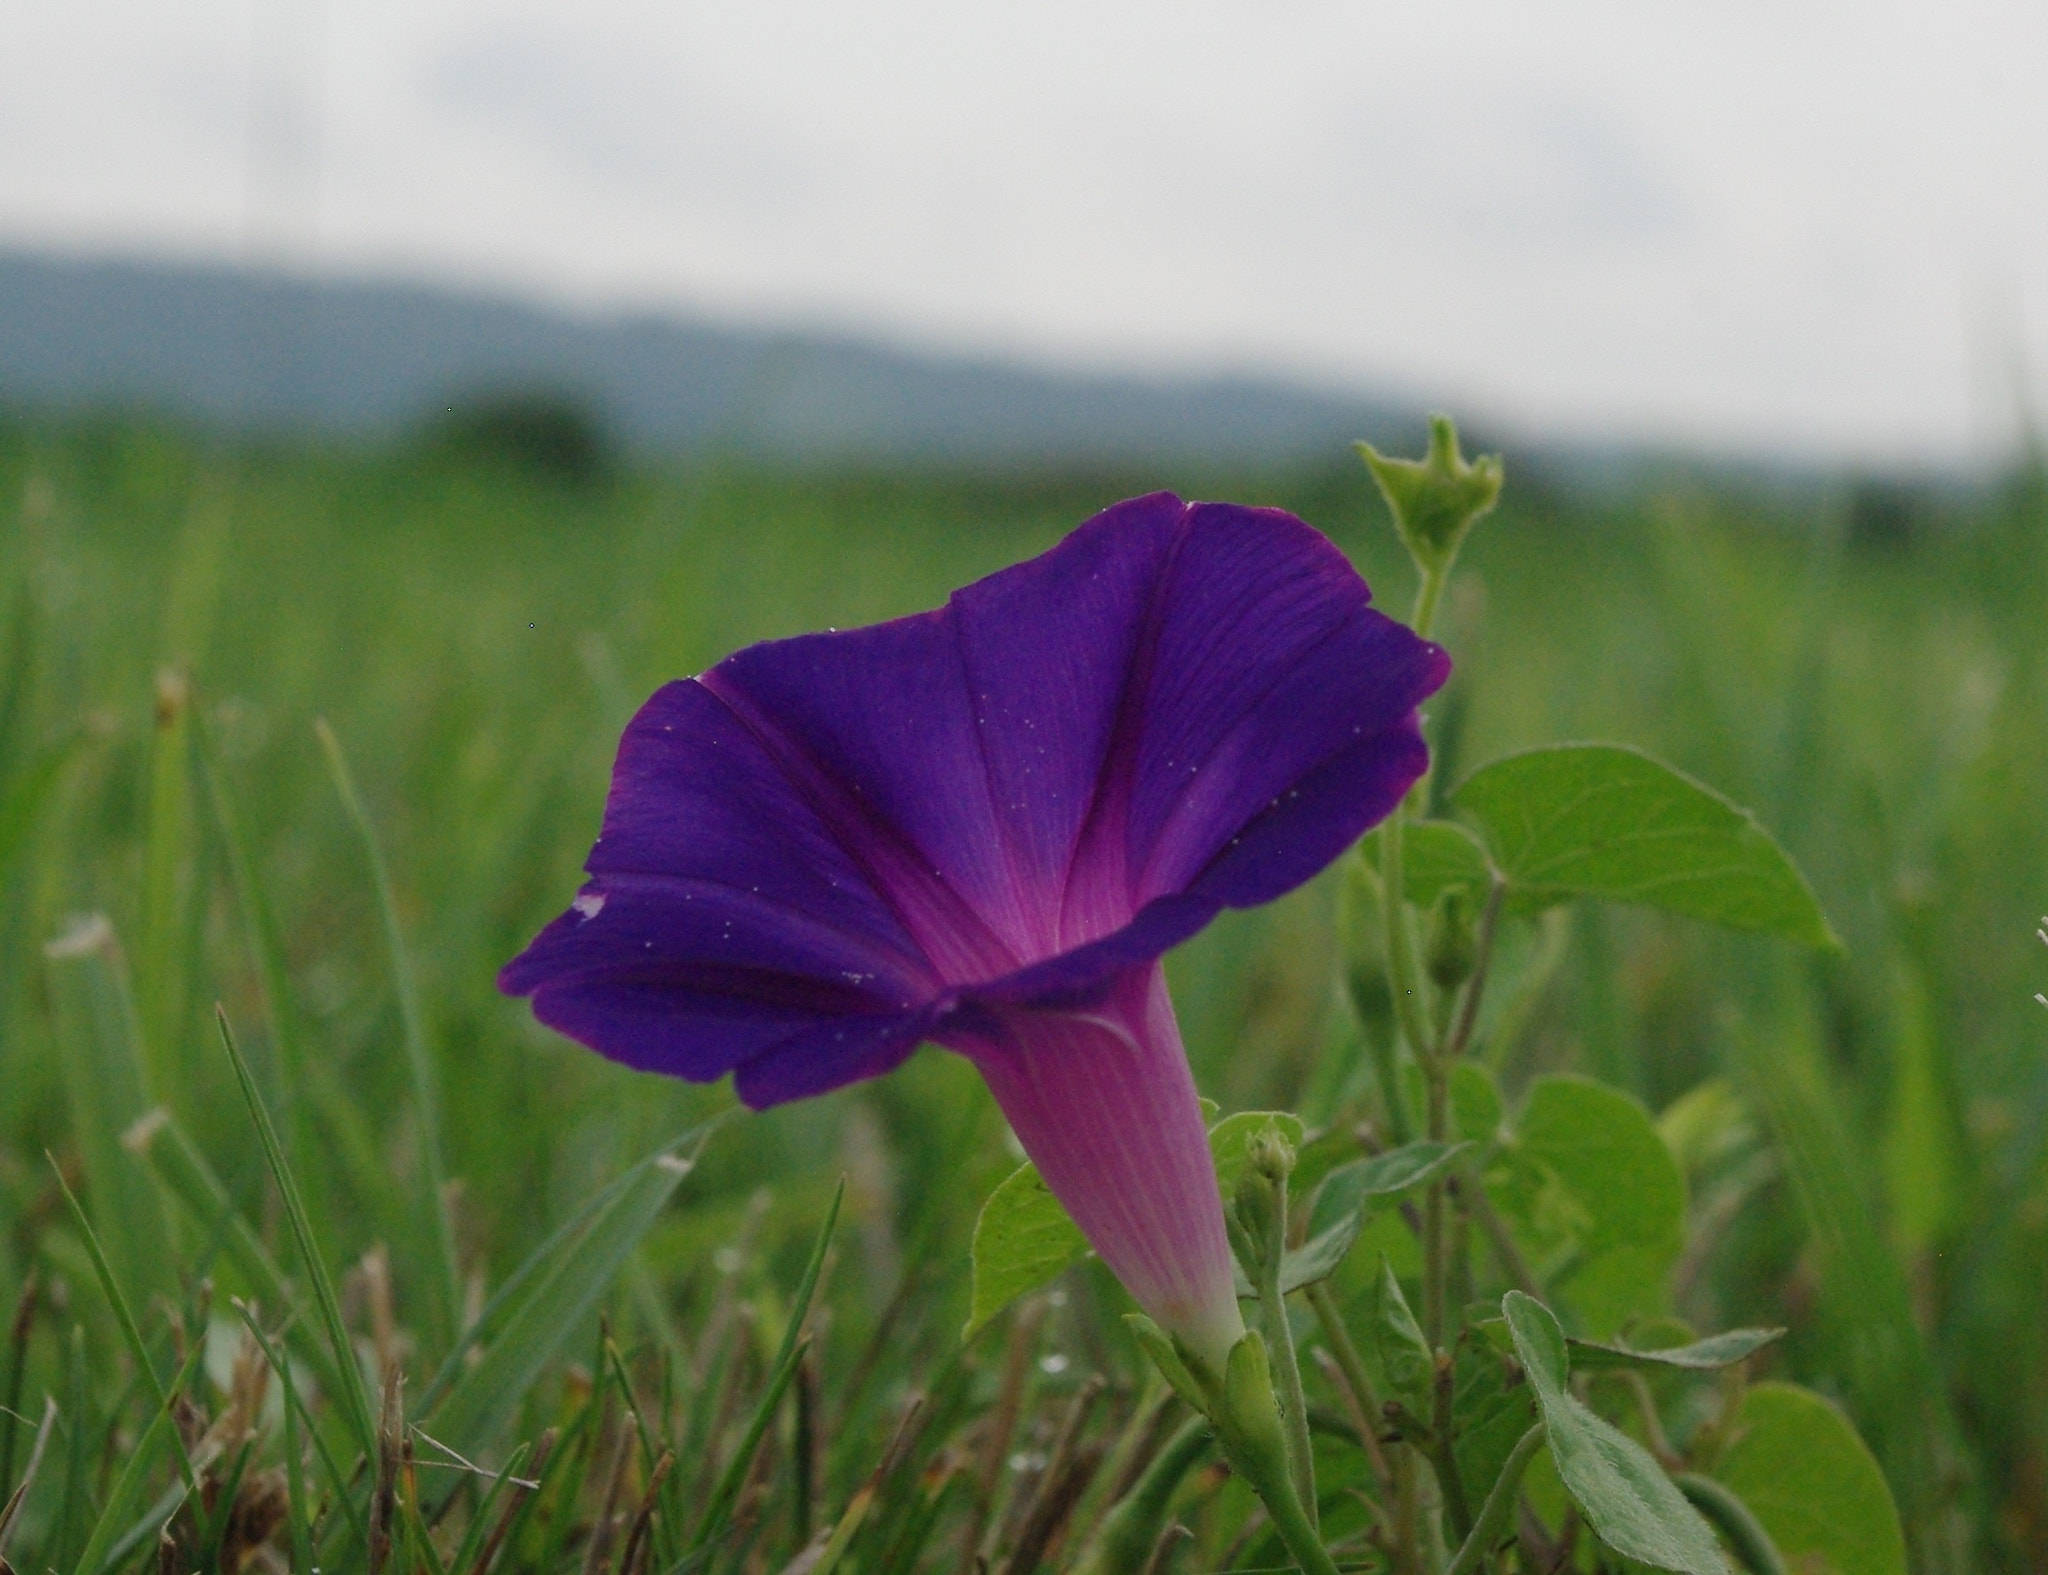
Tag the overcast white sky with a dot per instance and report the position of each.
(1770, 225)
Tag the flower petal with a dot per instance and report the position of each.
(875, 729)
(1058, 776)
(703, 1028)
(1267, 669)
(1049, 648)
(722, 918)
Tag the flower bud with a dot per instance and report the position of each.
(1435, 499)
(1362, 934)
(1451, 950)
(1270, 1154)
(1261, 1200)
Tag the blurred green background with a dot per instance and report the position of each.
(476, 615)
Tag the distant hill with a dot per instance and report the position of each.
(269, 351)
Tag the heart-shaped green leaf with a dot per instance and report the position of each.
(1811, 1483)
(1439, 856)
(1594, 1197)
(1601, 820)
(1023, 1239)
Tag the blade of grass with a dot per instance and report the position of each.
(643, 1518)
(1897, 1391)
(229, 1488)
(294, 1466)
(482, 1523)
(354, 1398)
(105, 1083)
(138, 1351)
(418, 1058)
(73, 1509)
(19, 1331)
(648, 1452)
(556, 1295)
(513, 1521)
(585, 1435)
(21, 809)
(151, 1526)
(191, 1184)
(266, 940)
(108, 1538)
(294, 1405)
(418, 1539)
(12, 1512)
(541, 1264)
(166, 881)
(849, 1523)
(718, 1509)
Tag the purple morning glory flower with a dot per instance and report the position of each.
(982, 826)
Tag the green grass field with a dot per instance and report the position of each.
(1870, 675)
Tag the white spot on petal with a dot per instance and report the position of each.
(590, 904)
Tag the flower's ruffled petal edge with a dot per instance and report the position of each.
(724, 928)
(702, 1029)
(1273, 696)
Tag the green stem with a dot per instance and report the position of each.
(1500, 1504)
(1435, 1259)
(1460, 1038)
(1129, 1531)
(1385, 1050)
(1404, 973)
(1427, 595)
(1732, 1518)
(1471, 1194)
(1280, 1341)
(1443, 1454)
(1437, 1069)
(1292, 1522)
(1352, 1369)
(1407, 1514)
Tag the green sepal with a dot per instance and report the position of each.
(1250, 1416)
(1435, 499)
(1239, 1401)
(1159, 1345)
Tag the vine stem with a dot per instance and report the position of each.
(1500, 1504)
(1427, 595)
(1482, 963)
(1291, 1521)
(1343, 1352)
(1437, 1068)
(1280, 1338)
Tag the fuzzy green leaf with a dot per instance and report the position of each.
(1395, 1346)
(1636, 1509)
(1701, 1356)
(1439, 856)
